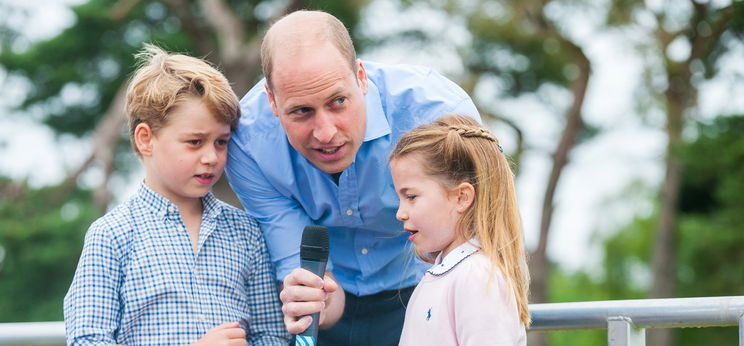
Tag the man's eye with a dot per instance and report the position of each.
(340, 100)
(302, 111)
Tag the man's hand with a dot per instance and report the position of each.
(228, 333)
(304, 293)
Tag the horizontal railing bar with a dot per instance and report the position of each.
(32, 333)
(645, 313)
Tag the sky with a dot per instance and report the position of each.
(629, 149)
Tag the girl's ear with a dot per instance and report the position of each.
(465, 196)
(143, 137)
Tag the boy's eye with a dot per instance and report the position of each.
(221, 142)
(194, 141)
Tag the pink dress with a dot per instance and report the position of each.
(456, 304)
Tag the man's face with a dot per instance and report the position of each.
(319, 101)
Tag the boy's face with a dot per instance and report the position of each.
(188, 154)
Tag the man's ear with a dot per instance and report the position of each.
(465, 193)
(272, 100)
(143, 137)
(361, 76)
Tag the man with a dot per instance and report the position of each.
(312, 148)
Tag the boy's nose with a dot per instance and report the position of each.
(209, 157)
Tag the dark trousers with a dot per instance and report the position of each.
(375, 319)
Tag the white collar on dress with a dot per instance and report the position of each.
(457, 255)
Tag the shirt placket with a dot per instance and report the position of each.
(200, 291)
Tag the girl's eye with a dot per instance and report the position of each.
(411, 197)
(221, 142)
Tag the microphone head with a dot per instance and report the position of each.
(314, 245)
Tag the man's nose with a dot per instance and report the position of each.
(325, 128)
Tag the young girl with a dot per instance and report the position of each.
(458, 202)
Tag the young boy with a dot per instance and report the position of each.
(173, 265)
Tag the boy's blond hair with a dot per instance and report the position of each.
(163, 81)
(456, 149)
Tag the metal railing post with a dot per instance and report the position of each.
(622, 332)
(741, 330)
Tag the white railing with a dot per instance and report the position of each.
(625, 320)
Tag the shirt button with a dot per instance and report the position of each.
(349, 212)
(364, 251)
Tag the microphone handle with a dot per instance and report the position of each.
(310, 335)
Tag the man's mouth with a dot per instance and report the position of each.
(329, 150)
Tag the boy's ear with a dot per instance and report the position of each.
(465, 196)
(143, 137)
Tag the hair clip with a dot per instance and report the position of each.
(500, 148)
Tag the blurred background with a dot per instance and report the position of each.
(624, 120)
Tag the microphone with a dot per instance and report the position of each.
(313, 257)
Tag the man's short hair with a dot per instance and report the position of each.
(331, 29)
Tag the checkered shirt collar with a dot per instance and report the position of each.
(165, 208)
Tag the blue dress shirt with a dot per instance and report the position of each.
(139, 281)
(285, 192)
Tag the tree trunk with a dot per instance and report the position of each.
(539, 262)
(663, 258)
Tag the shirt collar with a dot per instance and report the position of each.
(377, 123)
(163, 207)
(455, 257)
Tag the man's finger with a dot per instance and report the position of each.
(302, 277)
(297, 326)
(301, 294)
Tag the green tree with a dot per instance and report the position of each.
(709, 238)
(700, 32)
(40, 244)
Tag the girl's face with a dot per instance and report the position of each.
(428, 209)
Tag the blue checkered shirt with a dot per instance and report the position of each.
(139, 281)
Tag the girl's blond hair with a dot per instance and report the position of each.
(456, 149)
(162, 81)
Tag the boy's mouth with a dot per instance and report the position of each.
(205, 178)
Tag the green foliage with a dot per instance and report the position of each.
(575, 287)
(709, 240)
(712, 201)
(42, 236)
